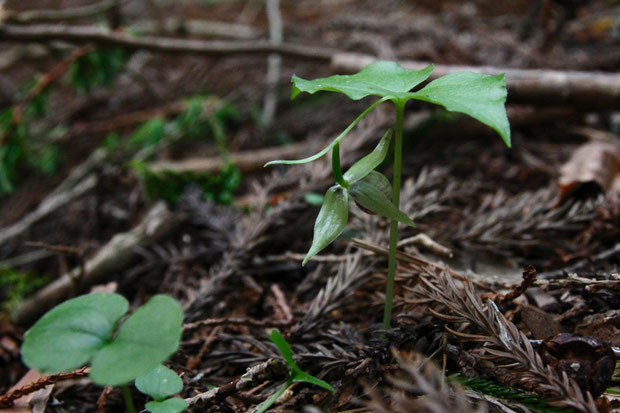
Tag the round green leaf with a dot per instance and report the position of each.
(369, 162)
(384, 79)
(172, 405)
(70, 334)
(369, 194)
(159, 383)
(146, 339)
(482, 97)
(331, 221)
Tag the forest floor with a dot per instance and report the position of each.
(535, 227)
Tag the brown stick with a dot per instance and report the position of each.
(592, 90)
(113, 257)
(101, 37)
(8, 399)
(245, 161)
(210, 322)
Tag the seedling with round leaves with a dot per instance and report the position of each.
(296, 374)
(480, 96)
(160, 383)
(87, 330)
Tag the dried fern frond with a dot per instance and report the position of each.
(422, 388)
(507, 342)
(351, 274)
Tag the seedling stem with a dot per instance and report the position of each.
(128, 400)
(398, 150)
(336, 167)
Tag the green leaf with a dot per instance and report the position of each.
(307, 378)
(331, 221)
(285, 349)
(69, 335)
(297, 374)
(480, 96)
(379, 181)
(384, 79)
(172, 405)
(159, 383)
(370, 196)
(369, 162)
(314, 199)
(146, 339)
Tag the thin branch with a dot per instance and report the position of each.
(103, 37)
(34, 16)
(8, 399)
(274, 61)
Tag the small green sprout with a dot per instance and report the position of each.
(161, 383)
(87, 329)
(296, 374)
(480, 96)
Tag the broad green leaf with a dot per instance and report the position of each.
(146, 339)
(371, 197)
(480, 96)
(334, 142)
(285, 349)
(331, 221)
(171, 405)
(379, 181)
(159, 383)
(307, 378)
(369, 162)
(384, 79)
(70, 334)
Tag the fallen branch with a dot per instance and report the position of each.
(272, 369)
(49, 205)
(112, 258)
(103, 37)
(246, 161)
(213, 322)
(197, 28)
(591, 90)
(32, 16)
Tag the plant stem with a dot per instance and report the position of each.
(272, 399)
(398, 151)
(128, 400)
(336, 167)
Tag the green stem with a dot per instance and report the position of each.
(335, 141)
(398, 151)
(272, 399)
(128, 400)
(336, 167)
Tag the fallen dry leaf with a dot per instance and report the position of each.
(596, 162)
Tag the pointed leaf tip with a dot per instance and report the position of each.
(482, 97)
(331, 221)
(368, 163)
